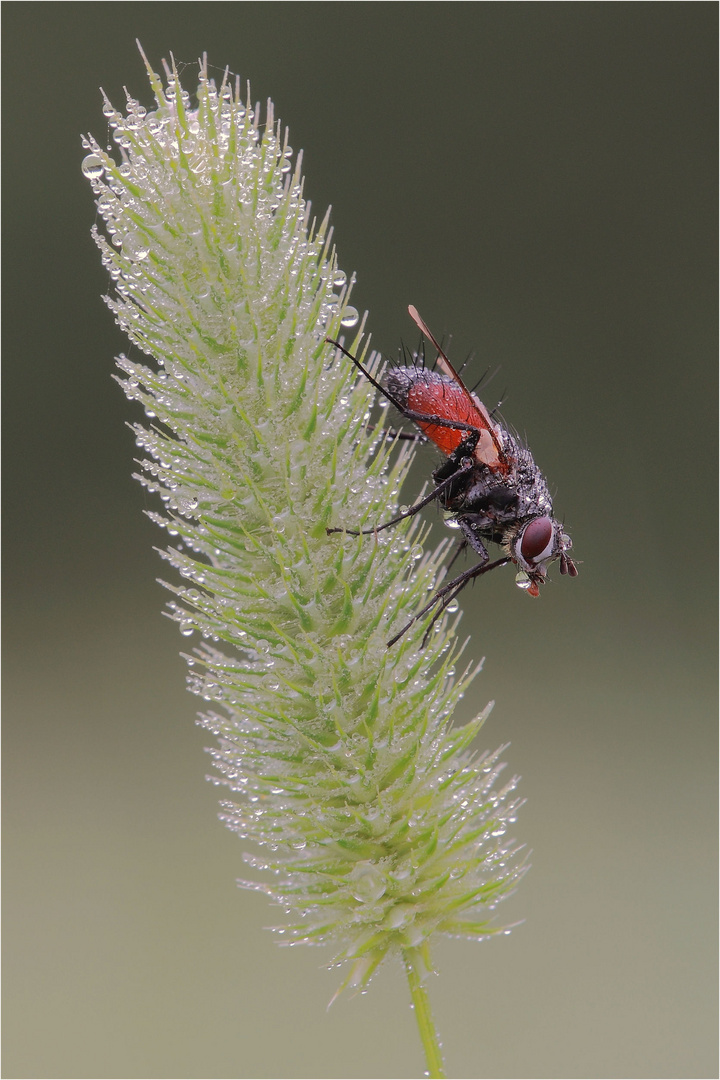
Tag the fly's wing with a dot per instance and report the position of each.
(455, 403)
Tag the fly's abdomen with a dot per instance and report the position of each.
(432, 394)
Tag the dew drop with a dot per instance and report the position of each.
(92, 166)
(135, 247)
(522, 580)
(349, 317)
(367, 882)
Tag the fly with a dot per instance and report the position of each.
(489, 483)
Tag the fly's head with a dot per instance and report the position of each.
(538, 541)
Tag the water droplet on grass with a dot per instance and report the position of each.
(92, 166)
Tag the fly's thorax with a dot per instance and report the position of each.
(529, 482)
(489, 493)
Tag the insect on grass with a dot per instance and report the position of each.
(488, 483)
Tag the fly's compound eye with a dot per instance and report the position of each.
(538, 540)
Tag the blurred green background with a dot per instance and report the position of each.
(539, 179)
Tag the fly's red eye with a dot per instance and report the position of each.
(536, 539)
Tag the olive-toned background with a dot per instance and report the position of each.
(539, 179)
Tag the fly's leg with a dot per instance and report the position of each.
(458, 552)
(459, 464)
(406, 436)
(447, 594)
(466, 449)
(465, 467)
